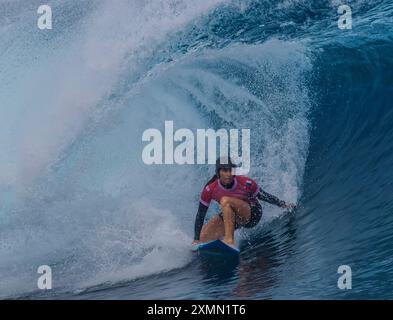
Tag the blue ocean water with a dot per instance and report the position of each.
(75, 194)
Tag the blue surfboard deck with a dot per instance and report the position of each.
(217, 247)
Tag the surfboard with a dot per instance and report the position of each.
(216, 247)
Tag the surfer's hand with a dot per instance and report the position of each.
(195, 242)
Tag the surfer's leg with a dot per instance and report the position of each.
(235, 211)
(212, 230)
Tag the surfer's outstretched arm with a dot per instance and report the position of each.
(264, 196)
(199, 219)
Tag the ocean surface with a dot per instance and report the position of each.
(75, 100)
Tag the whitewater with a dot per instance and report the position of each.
(76, 195)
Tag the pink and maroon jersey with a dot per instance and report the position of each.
(243, 188)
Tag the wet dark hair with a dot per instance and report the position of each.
(212, 179)
(224, 163)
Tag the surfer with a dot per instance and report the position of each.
(238, 198)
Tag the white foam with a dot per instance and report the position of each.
(101, 215)
(47, 110)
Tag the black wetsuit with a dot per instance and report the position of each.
(256, 210)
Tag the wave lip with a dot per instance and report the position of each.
(75, 194)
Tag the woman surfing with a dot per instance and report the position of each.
(238, 198)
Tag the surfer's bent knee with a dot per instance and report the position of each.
(225, 201)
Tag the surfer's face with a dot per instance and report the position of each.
(226, 176)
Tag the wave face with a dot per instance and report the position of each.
(75, 194)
